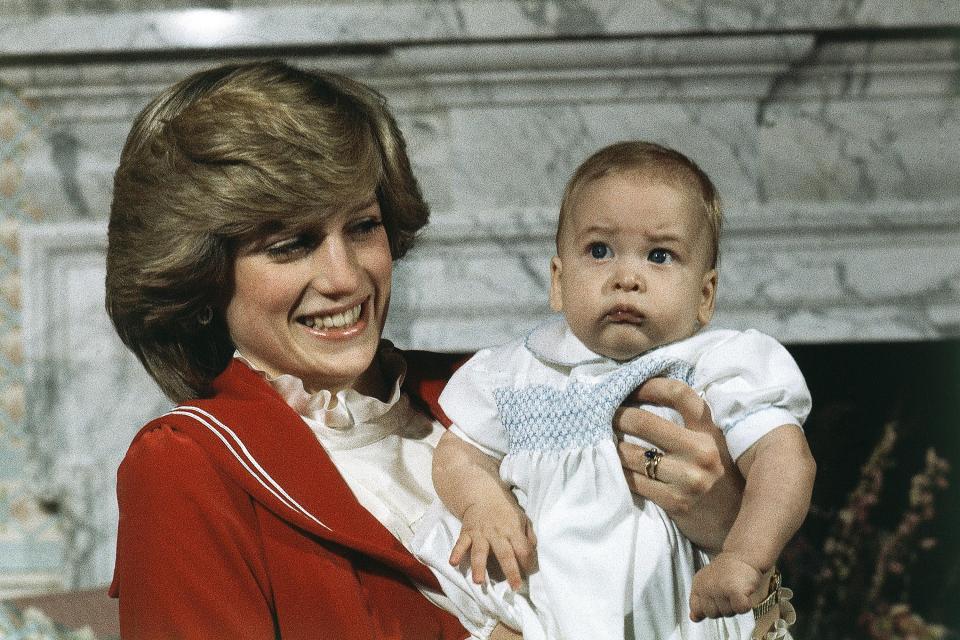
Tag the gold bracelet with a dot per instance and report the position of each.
(772, 599)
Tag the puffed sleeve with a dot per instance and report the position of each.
(752, 385)
(469, 402)
(188, 562)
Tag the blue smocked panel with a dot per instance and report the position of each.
(545, 418)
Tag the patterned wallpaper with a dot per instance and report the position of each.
(28, 536)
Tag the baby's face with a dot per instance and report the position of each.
(633, 268)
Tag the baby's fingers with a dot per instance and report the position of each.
(697, 612)
(504, 553)
(529, 532)
(479, 552)
(740, 603)
(708, 608)
(525, 550)
(460, 548)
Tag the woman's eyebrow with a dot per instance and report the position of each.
(366, 204)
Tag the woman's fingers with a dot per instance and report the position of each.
(697, 484)
(658, 431)
(696, 446)
(671, 469)
(686, 479)
(672, 500)
(679, 396)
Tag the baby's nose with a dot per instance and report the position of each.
(628, 280)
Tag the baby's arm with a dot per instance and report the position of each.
(468, 482)
(779, 472)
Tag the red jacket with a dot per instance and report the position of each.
(234, 523)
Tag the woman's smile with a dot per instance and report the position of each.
(313, 305)
(332, 323)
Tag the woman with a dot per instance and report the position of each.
(257, 211)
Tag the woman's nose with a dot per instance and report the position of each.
(336, 268)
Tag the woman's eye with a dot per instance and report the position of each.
(289, 248)
(660, 256)
(600, 250)
(367, 225)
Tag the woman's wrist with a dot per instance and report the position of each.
(773, 612)
(769, 597)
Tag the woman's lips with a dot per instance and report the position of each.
(338, 326)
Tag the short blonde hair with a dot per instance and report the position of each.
(653, 162)
(225, 157)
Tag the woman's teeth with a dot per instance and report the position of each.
(335, 321)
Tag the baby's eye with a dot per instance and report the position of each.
(600, 250)
(660, 256)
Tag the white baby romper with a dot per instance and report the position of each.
(610, 565)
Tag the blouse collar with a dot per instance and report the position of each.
(349, 419)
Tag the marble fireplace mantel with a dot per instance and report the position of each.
(832, 131)
(60, 31)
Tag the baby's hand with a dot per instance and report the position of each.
(723, 588)
(503, 528)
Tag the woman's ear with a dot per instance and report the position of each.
(556, 291)
(708, 296)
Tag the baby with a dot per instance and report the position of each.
(635, 279)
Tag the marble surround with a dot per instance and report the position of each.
(73, 30)
(831, 129)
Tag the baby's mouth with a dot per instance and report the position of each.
(626, 314)
(340, 320)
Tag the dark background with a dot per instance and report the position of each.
(857, 389)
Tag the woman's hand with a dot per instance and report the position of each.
(697, 483)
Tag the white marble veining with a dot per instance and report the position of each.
(87, 395)
(884, 274)
(830, 128)
(772, 118)
(404, 21)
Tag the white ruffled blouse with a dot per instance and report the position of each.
(383, 450)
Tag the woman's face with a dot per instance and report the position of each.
(313, 304)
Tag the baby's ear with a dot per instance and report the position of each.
(556, 291)
(708, 296)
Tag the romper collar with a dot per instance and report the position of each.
(554, 343)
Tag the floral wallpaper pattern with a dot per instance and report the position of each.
(28, 536)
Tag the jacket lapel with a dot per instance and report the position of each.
(267, 448)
